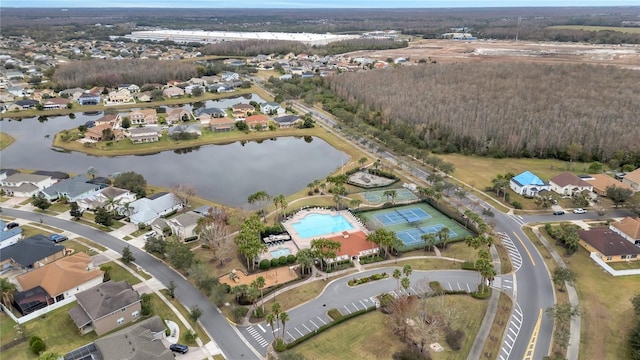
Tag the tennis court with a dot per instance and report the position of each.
(378, 196)
(412, 237)
(401, 216)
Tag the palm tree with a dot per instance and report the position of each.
(284, 317)
(7, 290)
(252, 295)
(397, 274)
(355, 203)
(305, 259)
(429, 240)
(260, 284)
(376, 164)
(259, 198)
(407, 270)
(271, 320)
(362, 161)
(391, 194)
(443, 236)
(406, 283)
(92, 172)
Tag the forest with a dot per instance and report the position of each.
(517, 110)
(255, 47)
(109, 73)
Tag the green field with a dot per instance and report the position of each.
(630, 30)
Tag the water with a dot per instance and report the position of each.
(227, 174)
(280, 252)
(316, 225)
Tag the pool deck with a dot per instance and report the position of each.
(305, 243)
(284, 245)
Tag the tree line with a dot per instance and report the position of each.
(517, 110)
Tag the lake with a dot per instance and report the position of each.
(227, 174)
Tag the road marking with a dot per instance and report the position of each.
(346, 308)
(528, 355)
(356, 306)
(450, 287)
(291, 336)
(314, 324)
(525, 248)
(299, 332)
(321, 320)
(459, 288)
(261, 328)
(468, 288)
(305, 326)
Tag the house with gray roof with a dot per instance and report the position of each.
(105, 307)
(9, 237)
(31, 253)
(271, 108)
(146, 210)
(193, 129)
(183, 225)
(286, 121)
(111, 198)
(141, 341)
(144, 134)
(74, 189)
(208, 113)
(25, 185)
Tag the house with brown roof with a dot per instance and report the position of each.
(108, 119)
(143, 117)
(354, 245)
(105, 307)
(144, 96)
(222, 124)
(247, 109)
(569, 184)
(63, 278)
(257, 121)
(628, 228)
(608, 245)
(178, 115)
(633, 179)
(96, 133)
(601, 182)
(142, 341)
(54, 103)
(120, 96)
(172, 91)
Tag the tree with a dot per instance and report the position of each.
(260, 284)
(618, 194)
(103, 217)
(260, 199)
(406, 283)
(635, 301)
(271, 320)
(184, 193)
(397, 274)
(195, 313)
(562, 313)
(171, 289)
(74, 211)
(355, 203)
(326, 249)
(49, 355)
(596, 167)
(249, 243)
(131, 181)
(252, 295)
(156, 245)
(40, 202)
(106, 269)
(543, 202)
(284, 318)
(385, 239)
(562, 275)
(127, 256)
(92, 172)
(179, 254)
(443, 235)
(7, 290)
(305, 259)
(213, 229)
(429, 240)
(362, 161)
(126, 122)
(197, 91)
(407, 270)
(500, 185)
(391, 194)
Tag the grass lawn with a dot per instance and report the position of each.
(118, 273)
(494, 342)
(630, 30)
(59, 207)
(78, 247)
(365, 337)
(7, 329)
(216, 271)
(201, 333)
(605, 313)
(478, 171)
(298, 295)
(5, 140)
(91, 244)
(28, 231)
(421, 264)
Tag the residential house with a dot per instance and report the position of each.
(139, 341)
(144, 135)
(287, 121)
(42, 94)
(353, 246)
(219, 88)
(60, 280)
(528, 184)
(271, 108)
(258, 121)
(17, 91)
(178, 115)
(193, 129)
(8, 236)
(73, 189)
(110, 198)
(31, 253)
(108, 119)
(222, 124)
(105, 307)
(190, 88)
(608, 245)
(628, 228)
(55, 103)
(89, 98)
(633, 179)
(144, 96)
(601, 182)
(26, 104)
(97, 132)
(143, 117)
(246, 109)
(206, 114)
(120, 96)
(73, 93)
(569, 184)
(146, 210)
(229, 76)
(25, 185)
(183, 225)
(130, 87)
(172, 91)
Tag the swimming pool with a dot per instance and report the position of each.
(280, 252)
(316, 225)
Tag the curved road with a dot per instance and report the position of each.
(226, 336)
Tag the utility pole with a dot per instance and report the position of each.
(518, 30)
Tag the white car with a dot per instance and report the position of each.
(579, 211)
(149, 235)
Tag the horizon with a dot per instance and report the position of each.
(309, 5)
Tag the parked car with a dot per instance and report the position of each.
(180, 348)
(579, 211)
(559, 212)
(12, 225)
(149, 235)
(58, 238)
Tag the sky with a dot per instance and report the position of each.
(302, 4)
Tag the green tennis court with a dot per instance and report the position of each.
(410, 222)
(378, 197)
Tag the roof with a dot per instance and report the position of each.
(72, 187)
(146, 209)
(601, 182)
(185, 128)
(566, 179)
(285, 119)
(258, 118)
(58, 175)
(630, 226)
(10, 233)
(30, 250)
(528, 178)
(147, 130)
(634, 176)
(62, 275)
(135, 342)
(353, 244)
(106, 298)
(212, 110)
(241, 106)
(189, 218)
(112, 192)
(607, 242)
(22, 177)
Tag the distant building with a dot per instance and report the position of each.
(528, 184)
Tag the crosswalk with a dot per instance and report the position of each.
(517, 218)
(514, 254)
(511, 334)
(257, 336)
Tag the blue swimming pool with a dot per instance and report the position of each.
(280, 252)
(317, 225)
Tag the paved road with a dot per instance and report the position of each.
(226, 336)
(310, 316)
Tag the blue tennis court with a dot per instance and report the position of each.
(402, 216)
(413, 237)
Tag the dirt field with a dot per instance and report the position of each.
(448, 51)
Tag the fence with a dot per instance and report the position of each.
(611, 270)
(35, 314)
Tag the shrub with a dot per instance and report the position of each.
(240, 312)
(517, 205)
(468, 265)
(265, 264)
(410, 354)
(34, 339)
(335, 314)
(282, 260)
(455, 338)
(291, 259)
(386, 299)
(436, 286)
(37, 345)
(280, 345)
(275, 263)
(257, 313)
